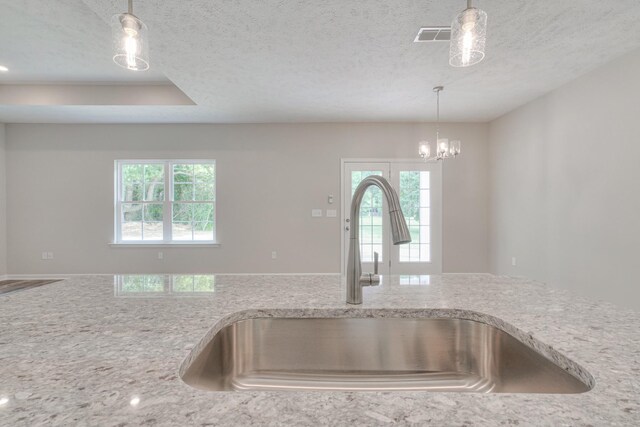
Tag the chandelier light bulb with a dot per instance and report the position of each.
(131, 47)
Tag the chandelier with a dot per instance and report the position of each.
(444, 148)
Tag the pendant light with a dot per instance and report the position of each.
(468, 37)
(444, 148)
(130, 45)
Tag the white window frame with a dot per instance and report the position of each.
(166, 203)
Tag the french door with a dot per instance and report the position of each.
(374, 223)
(419, 188)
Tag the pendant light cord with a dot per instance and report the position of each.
(130, 7)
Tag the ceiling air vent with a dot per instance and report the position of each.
(433, 34)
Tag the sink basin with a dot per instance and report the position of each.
(373, 354)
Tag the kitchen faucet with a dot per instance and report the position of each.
(399, 231)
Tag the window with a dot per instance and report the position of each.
(165, 201)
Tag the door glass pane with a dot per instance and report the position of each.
(370, 217)
(415, 200)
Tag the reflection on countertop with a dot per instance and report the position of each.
(163, 285)
(415, 280)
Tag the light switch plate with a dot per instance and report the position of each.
(316, 213)
(332, 213)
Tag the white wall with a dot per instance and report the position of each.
(565, 195)
(269, 179)
(3, 200)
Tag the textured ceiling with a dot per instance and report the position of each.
(315, 61)
(59, 41)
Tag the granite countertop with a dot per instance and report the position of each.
(99, 350)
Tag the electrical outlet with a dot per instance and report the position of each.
(44, 255)
(160, 255)
(49, 255)
(316, 213)
(514, 261)
(274, 255)
(332, 213)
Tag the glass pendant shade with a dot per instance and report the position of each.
(468, 38)
(454, 148)
(424, 150)
(443, 147)
(130, 46)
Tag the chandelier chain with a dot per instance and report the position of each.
(437, 116)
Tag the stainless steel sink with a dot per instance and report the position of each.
(368, 354)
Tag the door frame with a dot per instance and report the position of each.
(437, 212)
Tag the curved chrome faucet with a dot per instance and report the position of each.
(399, 231)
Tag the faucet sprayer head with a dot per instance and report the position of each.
(399, 230)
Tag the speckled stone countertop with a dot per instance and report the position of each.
(91, 351)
